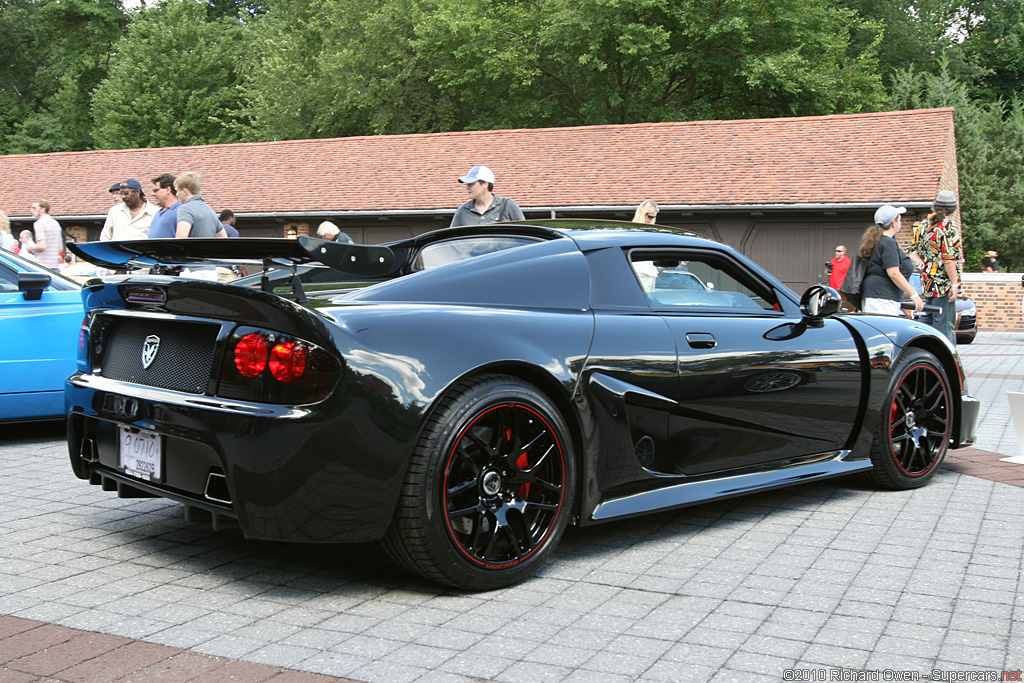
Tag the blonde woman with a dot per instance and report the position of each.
(6, 238)
(647, 212)
(885, 283)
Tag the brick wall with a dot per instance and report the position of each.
(998, 297)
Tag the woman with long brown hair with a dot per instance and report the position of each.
(885, 283)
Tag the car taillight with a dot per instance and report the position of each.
(287, 361)
(83, 345)
(272, 367)
(251, 355)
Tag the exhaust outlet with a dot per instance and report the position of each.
(217, 488)
(87, 450)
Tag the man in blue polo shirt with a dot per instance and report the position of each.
(165, 222)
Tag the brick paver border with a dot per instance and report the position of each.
(32, 651)
(984, 465)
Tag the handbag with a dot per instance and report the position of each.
(850, 288)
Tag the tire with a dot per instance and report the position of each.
(914, 423)
(489, 488)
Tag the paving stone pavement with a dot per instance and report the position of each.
(808, 583)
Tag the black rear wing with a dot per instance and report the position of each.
(357, 261)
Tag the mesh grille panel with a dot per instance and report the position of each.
(183, 359)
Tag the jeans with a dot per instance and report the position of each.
(945, 320)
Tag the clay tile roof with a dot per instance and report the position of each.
(842, 159)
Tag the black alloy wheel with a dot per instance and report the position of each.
(489, 490)
(915, 423)
(503, 485)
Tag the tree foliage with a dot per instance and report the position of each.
(54, 54)
(332, 66)
(990, 154)
(173, 80)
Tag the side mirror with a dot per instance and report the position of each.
(819, 302)
(33, 284)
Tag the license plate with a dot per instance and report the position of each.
(140, 453)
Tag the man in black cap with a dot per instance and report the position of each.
(938, 251)
(129, 220)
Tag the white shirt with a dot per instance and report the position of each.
(121, 226)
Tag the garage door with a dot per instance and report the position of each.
(796, 253)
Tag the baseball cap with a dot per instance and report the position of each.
(887, 213)
(478, 173)
(115, 187)
(130, 184)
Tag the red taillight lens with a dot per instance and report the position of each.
(251, 355)
(287, 362)
(276, 367)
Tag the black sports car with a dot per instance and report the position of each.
(492, 385)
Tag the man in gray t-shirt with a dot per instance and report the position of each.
(195, 218)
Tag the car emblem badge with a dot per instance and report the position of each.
(149, 349)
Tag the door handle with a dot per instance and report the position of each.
(701, 340)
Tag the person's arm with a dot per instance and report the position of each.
(222, 232)
(107, 233)
(954, 255)
(182, 229)
(954, 282)
(897, 278)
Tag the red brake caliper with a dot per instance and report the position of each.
(522, 462)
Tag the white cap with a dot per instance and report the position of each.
(887, 214)
(478, 173)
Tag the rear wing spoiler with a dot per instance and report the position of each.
(354, 260)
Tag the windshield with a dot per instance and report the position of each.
(460, 249)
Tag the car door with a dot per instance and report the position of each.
(756, 383)
(40, 342)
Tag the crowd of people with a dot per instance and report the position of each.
(175, 208)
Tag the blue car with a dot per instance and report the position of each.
(40, 318)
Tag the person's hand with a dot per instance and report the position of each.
(954, 291)
(918, 302)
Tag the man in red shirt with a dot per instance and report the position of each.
(840, 264)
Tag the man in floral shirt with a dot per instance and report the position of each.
(938, 251)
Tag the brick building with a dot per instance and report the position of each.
(784, 191)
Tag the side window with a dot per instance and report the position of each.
(8, 279)
(700, 281)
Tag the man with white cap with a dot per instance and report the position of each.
(484, 206)
(938, 251)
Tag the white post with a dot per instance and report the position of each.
(1016, 399)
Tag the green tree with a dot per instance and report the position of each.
(990, 154)
(328, 67)
(994, 44)
(332, 67)
(173, 81)
(562, 62)
(54, 54)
